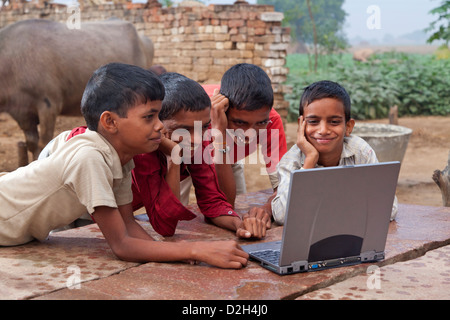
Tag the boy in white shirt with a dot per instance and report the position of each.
(323, 139)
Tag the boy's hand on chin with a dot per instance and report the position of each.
(311, 153)
(219, 107)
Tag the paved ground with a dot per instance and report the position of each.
(78, 264)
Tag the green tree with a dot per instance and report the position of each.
(442, 23)
(329, 18)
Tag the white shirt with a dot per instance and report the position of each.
(355, 151)
(79, 175)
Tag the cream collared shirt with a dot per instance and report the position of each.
(355, 151)
(79, 175)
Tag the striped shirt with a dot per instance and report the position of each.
(355, 151)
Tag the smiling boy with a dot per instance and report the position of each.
(323, 139)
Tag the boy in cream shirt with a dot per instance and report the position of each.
(92, 172)
(323, 140)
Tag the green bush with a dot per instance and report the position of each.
(418, 84)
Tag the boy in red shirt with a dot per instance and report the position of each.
(185, 113)
(156, 177)
(242, 117)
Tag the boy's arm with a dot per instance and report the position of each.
(291, 161)
(225, 177)
(263, 212)
(173, 177)
(172, 151)
(224, 254)
(133, 228)
(249, 227)
(311, 153)
(212, 203)
(219, 122)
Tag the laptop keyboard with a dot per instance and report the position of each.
(272, 256)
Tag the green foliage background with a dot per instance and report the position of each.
(417, 84)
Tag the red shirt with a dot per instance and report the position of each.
(164, 210)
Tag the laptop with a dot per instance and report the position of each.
(335, 216)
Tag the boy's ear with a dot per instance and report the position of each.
(108, 121)
(349, 127)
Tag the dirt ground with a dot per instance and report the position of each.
(428, 150)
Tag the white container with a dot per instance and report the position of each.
(389, 141)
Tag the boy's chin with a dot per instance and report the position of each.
(151, 148)
(324, 148)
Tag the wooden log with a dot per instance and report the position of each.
(393, 115)
(442, 179)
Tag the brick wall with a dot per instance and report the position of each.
(201, 42)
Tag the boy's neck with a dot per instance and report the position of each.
(330, 160)
(124, 158)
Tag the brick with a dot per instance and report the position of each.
(235, 23)
(203, 60)
(279, 71)
(225, 45)
(220, 29)
(222, 37)
(279, 46)
(259, 31)
(246, 54)
(206, 45)
(265, 39)
(272, 16)
(274, 62)
(256, 24)
(239, 38)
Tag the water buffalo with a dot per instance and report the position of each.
(44, 68)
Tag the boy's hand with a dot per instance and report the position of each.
(171, 149)
(167, 145)
(223, 254)
(219, 107)
(311, 153)
(254, 224)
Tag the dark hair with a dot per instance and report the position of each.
(182, 93)
(247, 87)
(325, 89)
(118, 87)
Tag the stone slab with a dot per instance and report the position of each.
(424, 278)
(44, 270)
(37, 268)
(183, 281)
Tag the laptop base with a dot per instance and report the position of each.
(269, 258)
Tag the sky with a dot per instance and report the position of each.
(396, 17)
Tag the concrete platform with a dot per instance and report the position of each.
(78, 264)
(423, 278)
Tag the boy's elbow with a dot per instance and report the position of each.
(118, 252)
(278, 219)
(122, 252)
(277, 211)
